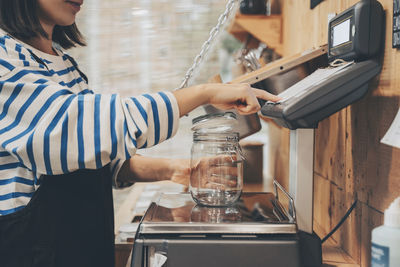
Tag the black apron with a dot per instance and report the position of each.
(68, 222)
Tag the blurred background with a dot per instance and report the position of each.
(136, 47)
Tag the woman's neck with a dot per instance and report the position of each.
(44, 44)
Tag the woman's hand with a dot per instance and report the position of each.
(180, 169)
(241, 97)
(219, 172)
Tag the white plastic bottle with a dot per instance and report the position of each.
(385, 250)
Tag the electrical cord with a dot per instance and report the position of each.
(340, 222)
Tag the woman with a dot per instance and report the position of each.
(60, 143)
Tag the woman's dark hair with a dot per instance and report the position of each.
(19, 18)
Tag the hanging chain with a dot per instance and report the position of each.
(207, 44)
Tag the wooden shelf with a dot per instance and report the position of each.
(267, 29)
(281, 65)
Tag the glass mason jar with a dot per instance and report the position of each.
(216, 177)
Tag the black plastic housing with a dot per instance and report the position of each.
(366, 30)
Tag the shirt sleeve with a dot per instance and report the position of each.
(115, 167)
(51, 130)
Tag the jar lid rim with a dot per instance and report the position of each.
(216, 122)
(228, 115)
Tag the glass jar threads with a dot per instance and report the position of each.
(216, 177)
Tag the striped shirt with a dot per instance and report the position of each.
(52, 123)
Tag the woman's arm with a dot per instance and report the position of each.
(224, 96)
(241, 97)
(145, 169)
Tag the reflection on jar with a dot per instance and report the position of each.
(215, 214)
(216, 177)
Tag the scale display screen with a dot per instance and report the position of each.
(341, 33)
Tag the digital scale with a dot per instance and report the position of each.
(182, 233)
(271, 229)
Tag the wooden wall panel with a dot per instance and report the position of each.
(330, 161)
(322, 208)
(389, 84)
(350, 162)
(375, 167)
(330, 204)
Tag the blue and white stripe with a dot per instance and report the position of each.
(52, 123)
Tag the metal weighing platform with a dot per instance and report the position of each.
(259, 229)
